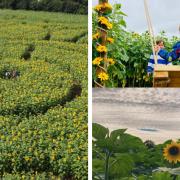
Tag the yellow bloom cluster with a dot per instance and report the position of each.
(103, 7)
(97, 61)
(110, 61)
(103, 76)
(38, 30)
(108, 6)
(101, 49)
(104, 21)
(95, 36)
(110, 40)
(135, 35)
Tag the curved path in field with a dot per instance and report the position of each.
(147, 113)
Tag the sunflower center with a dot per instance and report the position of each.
(174, 150)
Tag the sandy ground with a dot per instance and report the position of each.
(146, 112)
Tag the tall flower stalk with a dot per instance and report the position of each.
(101, 62)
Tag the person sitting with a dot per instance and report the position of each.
(173, 55)
(160, 60)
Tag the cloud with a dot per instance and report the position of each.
(164, 15)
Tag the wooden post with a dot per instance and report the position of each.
(103, 34)
(150, 29)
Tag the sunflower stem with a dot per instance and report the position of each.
(174, 177)
(107, 166)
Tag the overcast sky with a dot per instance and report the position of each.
(165, 15)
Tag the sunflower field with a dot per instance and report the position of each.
(127, 53)
(43, 95)
(118, 155)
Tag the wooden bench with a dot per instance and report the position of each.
(166, 76)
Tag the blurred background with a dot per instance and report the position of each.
(70, 6)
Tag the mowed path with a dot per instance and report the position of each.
(147, 113)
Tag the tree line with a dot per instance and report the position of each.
(68, 6)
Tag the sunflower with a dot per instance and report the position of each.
(109, 25)
(172, 152)
(95, 36)
(97, 60)
(104, 21)
(108, 6)
(101, 49)
(103, 76)
(98, 7)
(110, 61)
(110, 40)
(103, 7)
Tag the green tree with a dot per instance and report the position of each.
(69, 6)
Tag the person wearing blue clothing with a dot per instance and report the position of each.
(160, 60)
(173, 55)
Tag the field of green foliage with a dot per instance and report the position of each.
(43, 95)
(118, 155)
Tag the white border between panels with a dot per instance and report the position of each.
(89, 89)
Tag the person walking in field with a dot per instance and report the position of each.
(160, 60)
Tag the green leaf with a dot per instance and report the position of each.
(98, 165)
(122, 22)
(131, 143)
(121, 166)
(127, 178)
(121, 13)
(161, 176)
(143, 177)
(99, 131)
(116, 133)
(107, 145)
